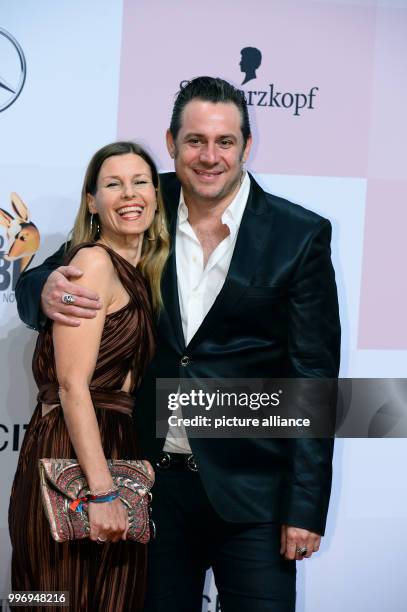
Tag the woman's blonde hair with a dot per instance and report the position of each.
(156, 242)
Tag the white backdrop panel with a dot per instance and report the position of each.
(69, 108)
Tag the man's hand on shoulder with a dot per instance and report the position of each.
(85, 302)
(293, 538)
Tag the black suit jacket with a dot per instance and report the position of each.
(275, 316)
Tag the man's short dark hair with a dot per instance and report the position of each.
(210, 89)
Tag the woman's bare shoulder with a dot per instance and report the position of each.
(96, 265)
(92, 258)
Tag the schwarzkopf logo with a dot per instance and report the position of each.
(13, 69)
(270, 96)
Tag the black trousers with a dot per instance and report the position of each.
(250, 574)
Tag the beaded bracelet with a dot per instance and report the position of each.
(108, 492)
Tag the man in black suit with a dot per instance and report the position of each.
(249, 292)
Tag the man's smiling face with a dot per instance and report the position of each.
(209, 150)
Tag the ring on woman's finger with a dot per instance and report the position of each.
(302, 550)
(101, 540)
(68, 298)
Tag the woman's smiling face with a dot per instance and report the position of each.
(125, 198)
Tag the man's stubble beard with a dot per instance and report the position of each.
(223, 192)
(227, 190)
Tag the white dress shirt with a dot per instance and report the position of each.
(199, 285)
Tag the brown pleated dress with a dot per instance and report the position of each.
(108, 577)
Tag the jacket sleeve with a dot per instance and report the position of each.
(29, 287)
(314, 352)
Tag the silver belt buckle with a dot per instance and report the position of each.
(164, 461)
(192, 464)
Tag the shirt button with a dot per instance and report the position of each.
(184, 360)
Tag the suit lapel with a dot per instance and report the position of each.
(170, 324)
(254, 229)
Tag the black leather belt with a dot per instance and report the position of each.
(176, 461)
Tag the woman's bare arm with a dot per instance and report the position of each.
(76, 350)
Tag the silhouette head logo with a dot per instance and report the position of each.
(22, 235)
(251, 60)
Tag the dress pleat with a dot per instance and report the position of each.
(109, 577)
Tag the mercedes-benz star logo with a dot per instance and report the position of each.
(13, 69)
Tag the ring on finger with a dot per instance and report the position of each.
(101, 540)
(68, 298)
(302, 550)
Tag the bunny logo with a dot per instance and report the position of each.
(23, 241)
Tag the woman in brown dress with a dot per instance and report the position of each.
(86, 378)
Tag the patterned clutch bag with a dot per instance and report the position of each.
(62, 482)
